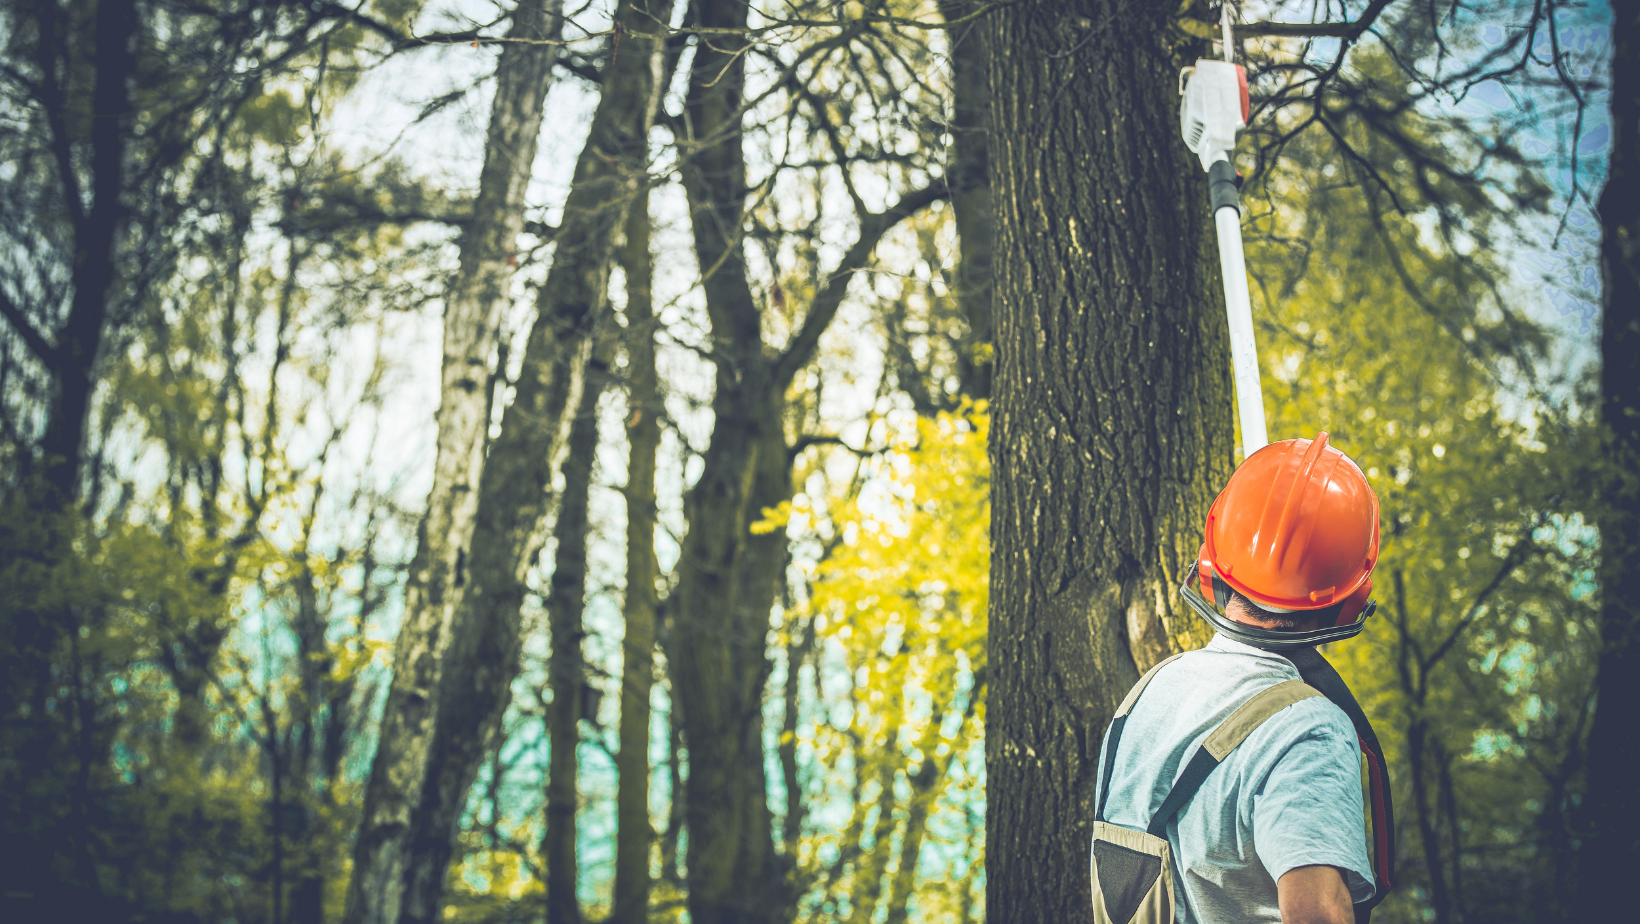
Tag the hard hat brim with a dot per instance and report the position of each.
(1267, 639)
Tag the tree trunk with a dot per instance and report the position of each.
(566, 601)
(926, 785)
(670, 870)
(1610, 848)
(727, 576)
(1440, 902)
(96, 235)
(477, 297)
(799, 643)
(1111, 427)
(968, 174)
(514, 492)
(634, 833)
(871, 864)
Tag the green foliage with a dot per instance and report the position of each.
(899, 607)
(1478, 667)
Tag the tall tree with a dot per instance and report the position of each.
(727, 574)
(515, 492)
(969, 175)
(567, 676)
(1111, 405)
(477, 297)
(1611, 846)
(635, 835)
(98, 212)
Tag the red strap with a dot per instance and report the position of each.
(1378, 783)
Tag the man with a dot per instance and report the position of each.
(1230, 790)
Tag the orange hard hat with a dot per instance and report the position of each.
(1295, 529)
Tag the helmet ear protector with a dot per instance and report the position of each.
(1208, 594)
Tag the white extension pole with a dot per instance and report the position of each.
(1214, 111)
(1243, 355)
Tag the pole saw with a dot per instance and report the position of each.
(1215, 110)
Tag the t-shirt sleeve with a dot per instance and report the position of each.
(1309, 809)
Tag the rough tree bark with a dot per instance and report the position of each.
(633, 832)
(1611, 847)
(727, 576)
(477, 297)
(514, 495)
(969, 176)
(1111, 406)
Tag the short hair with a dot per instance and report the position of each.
(1295, 621)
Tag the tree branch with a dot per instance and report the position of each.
(1517, 555)
(1348, 31)
(830, 297)
(31, 336)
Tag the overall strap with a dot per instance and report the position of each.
(1224, 739)
(1116, 731)
(1319, 674)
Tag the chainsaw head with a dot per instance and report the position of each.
(1215, 108)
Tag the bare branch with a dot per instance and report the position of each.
(1348, 31)
(31, 336)
(830, 297)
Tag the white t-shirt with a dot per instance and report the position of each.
(1289, 796)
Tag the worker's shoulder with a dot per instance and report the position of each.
(1233, 677)
(1248, 665)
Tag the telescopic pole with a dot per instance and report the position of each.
(1215, 110)
(1221, 180)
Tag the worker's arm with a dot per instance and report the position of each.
(1314, 895)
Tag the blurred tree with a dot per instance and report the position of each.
(1611, 844)
(1476, 668)
(478, 295)
(150, 415)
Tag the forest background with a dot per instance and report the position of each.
(504, 462)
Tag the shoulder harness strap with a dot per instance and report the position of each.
(1319, 674)
(1224, 739)
(1116, 732)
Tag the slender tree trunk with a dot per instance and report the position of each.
(1410, 671)
(926, 785)
(1111, 427)
(727, 576)
(308, 708)
(514, 495)
(969, 176)
(1610, 848)
(634, 834)
(1440, 902)
(798, 646)
(566, 602)
(1454, 831)
(676, 791)
(476, 300)
(96, 236)
(872, 863)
